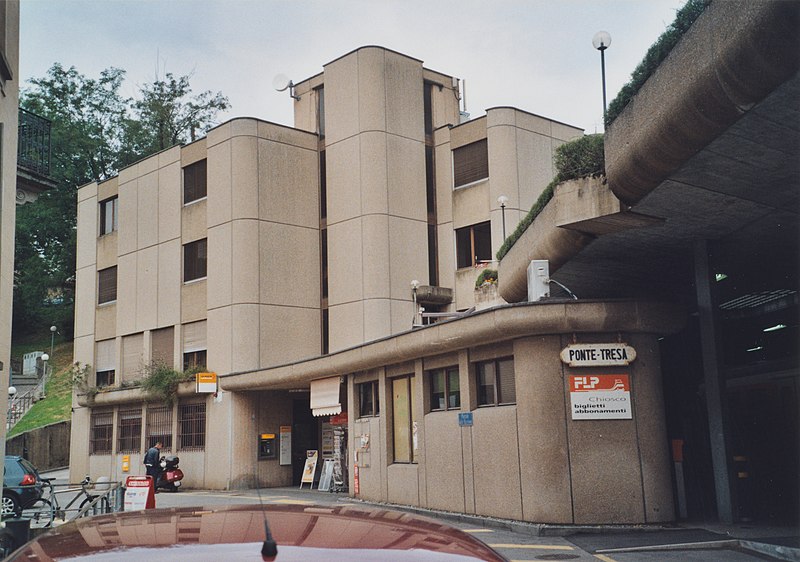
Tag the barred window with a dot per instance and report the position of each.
(101, 427)
(129, 431)
(195, 181)
(159, 427)
(192, 427)
(107, 285)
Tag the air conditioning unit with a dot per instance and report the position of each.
(538, 280)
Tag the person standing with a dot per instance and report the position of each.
(151, 461)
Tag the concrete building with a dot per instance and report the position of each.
(282, 259)
(9, 105)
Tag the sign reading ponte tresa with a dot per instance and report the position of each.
(598, 354)
(600, 397)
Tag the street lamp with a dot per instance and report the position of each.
(414, 287)
(53, 331)
(45, 358)
(602, 41)
(503, 200)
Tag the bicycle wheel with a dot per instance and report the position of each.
(102, 506)
(39, 512)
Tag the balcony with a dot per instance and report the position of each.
(33, 156)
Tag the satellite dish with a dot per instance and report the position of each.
(281, 82)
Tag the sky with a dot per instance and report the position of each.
(535, 55)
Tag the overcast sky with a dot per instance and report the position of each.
(535, 55)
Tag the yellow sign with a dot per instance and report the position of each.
(126, 463)
(206, 382)
(267, 436)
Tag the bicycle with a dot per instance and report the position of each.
(44, 511)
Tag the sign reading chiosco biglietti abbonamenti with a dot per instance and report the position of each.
(598, 354)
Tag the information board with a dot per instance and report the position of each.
(139, 493)
(310, 468)
(600, 397)
(286, 445)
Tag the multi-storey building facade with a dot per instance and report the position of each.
(282, 259)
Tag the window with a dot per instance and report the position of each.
(470, 163)
(101, 427)
(191, 427)
(320, 112)
(107, 285)
(194, 345)
(105, 378)
(195, 181)
(402, 416)
(194, 260)
(129, 430)
(159, 427)
(474, 244)
(368, 403)
(194, 360)
(445, 389)
(109, 215)
(496, 384)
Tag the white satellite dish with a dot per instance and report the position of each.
(281, 82)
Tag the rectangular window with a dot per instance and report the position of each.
(194, 360)
(321, 111)
(191, 427)
(470, 163)
(195, 181)
(105, 378)
(496, 385)
(162, 344)
(109, 215)
(159, 427)
(107, 285)
(129, 430)
(402, 417)
(368, 403)
(195, 258)
(445, 389)
(105, 361)
(101, 428)
(474, 245)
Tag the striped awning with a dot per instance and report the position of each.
(325, 397)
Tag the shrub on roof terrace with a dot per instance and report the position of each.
(655, 55)
(584, 157)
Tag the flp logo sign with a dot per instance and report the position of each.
(600, 397)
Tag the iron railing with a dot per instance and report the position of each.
(33, 147)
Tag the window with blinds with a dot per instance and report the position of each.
(195, 258)
(107, 285)
(132, 357)
(195, 182)
(129, 430)
(470, 163)
(162, 346)
(105, 362)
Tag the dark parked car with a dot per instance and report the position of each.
(253, 532)
(21, 486)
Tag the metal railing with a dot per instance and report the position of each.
(33, 148)
(21, 403)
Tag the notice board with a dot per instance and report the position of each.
(600, 397)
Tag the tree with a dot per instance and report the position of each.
(95, 132)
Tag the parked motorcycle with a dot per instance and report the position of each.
(170, 477)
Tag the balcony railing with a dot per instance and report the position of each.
(33, 148)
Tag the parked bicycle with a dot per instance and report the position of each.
(93, 498)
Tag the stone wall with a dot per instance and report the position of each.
(46, 447)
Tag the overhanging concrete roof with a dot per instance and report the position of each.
(710, 145)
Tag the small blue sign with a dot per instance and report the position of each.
(465, 419)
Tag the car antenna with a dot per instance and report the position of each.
(269, 550)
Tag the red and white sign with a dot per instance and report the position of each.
(600, 397)
(139, 493)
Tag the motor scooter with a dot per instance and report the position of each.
(170, 476)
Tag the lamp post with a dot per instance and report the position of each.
(53, 331)
(602, 41)
(414, 287)
(503, 200)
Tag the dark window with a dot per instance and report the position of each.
(109, 215)
(105, 378)
(194, 181)
(402, 417)
(101, 428)
(191, 427)
(321, 112)
(445, 389)
(194, 360)
(129, 430)
(325, 332)
(195, 258)
(474, 244)
(470, 163)
(159, 427)
(368, 403)
(496, 384)
(107, 285)
(427, 107)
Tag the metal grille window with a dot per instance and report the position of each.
(368, 403)
(195, 258)
(191, 427)
(129, 431)
(109, 215)
(159, 427)
(101, 428)
(445, 389)
(496, 385)
(195, 181)
(474, 244)
(470, 163)
(107, 285)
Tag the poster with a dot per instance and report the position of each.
(286, 445)
(600, 397)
